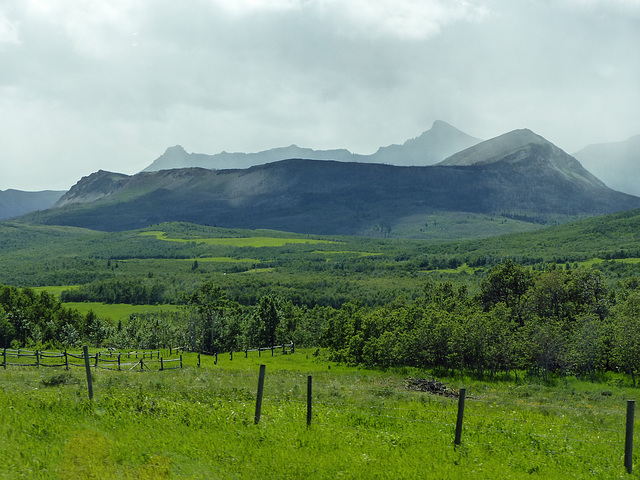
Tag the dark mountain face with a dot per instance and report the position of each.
(519, 173)
(14, 203)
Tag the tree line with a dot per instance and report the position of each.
(520, 320)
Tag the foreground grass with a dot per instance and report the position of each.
(199, 423)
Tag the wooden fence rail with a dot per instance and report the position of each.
(110, 360)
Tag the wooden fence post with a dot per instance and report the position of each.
(461, 397)
(66, 360)
(308, 400)
(37, 359)
(180, 360)
(628, 443)
(198, 359)
(87, 367)
(215, 362)
(118, 362)
(260, 392)
(4, 358)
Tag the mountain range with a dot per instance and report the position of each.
(516, 175)
(430, 147)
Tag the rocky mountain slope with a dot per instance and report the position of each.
(518, 174)
(431, 147)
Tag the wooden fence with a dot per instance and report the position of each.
(110, 360)
(113, 360)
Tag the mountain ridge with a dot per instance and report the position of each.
(428, 148)
(519, 175)
(14, 203)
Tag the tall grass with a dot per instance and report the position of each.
(199, 423)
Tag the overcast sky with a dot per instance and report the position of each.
(110, 84)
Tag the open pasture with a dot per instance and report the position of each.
(199, 422)
(252, 241)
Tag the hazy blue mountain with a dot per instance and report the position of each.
(14, 203)
(617, 164)
(431, 147)
(518, 174)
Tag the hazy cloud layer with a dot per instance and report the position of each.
(109, 85)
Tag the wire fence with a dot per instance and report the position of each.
(388, 409)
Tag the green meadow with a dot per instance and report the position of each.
(199, 422)
(250, 241)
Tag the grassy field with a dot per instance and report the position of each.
(119, 311)
(253, 241)
(199, 423)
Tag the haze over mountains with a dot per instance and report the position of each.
(430, 147)
(516, 175)
(616, 163)
(17, 202)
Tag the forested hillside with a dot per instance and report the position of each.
(563, 298)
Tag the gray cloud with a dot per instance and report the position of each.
(110, 85)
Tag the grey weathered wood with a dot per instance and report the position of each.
(87, 367)
(458, 438)
(628, 443)
(260, 392)
(309, 411)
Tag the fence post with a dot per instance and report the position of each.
(66, 360)
(463, 392)
(198, 360)
(37, 359)
(215, 362)
(628, 443)
(308, 400)
(118, 362)
(180, 360)
(142, 364)
(4, 358)
(260, 391)
(96, 364)
(85, 351)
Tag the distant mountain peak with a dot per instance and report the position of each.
(428, 148)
